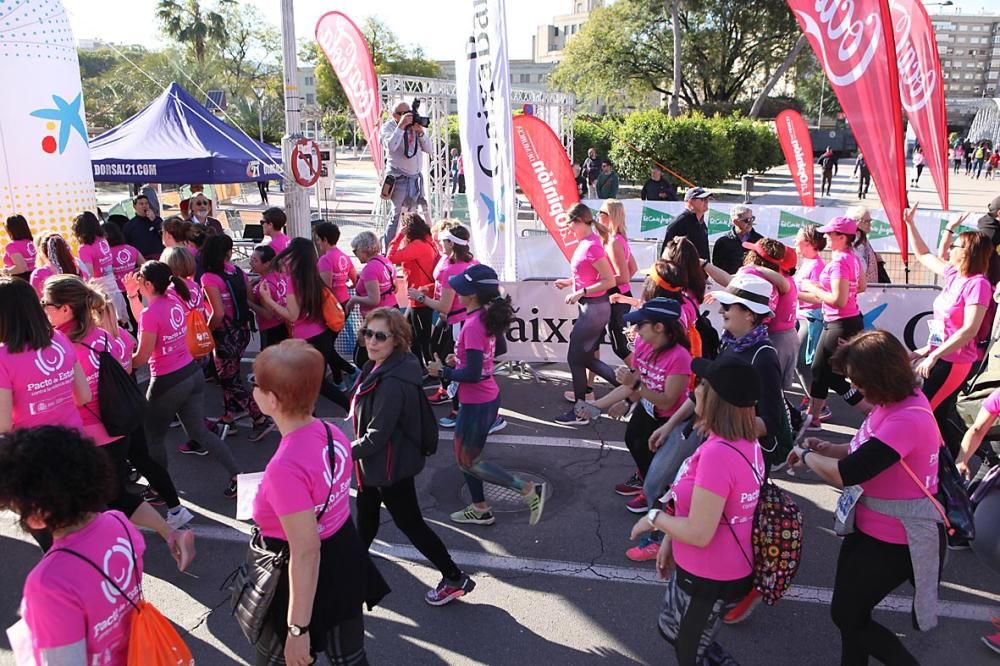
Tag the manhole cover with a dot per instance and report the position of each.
(504, 500)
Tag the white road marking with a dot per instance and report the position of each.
(809, 594)
(530, 440)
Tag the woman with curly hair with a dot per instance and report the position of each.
(57, 481)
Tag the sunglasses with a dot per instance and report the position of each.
(380, 336)
(48, 304)
(956, 246)
(252, 381)
(746, 220)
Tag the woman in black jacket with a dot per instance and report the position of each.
(388, 451)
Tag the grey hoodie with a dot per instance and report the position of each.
(387, 421)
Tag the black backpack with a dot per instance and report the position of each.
(122, 405)
(428, 425)
(710, 340)
(237, 286)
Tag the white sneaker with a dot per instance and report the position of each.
(178, 518)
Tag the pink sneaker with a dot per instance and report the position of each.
(642, 553)
(638, 504)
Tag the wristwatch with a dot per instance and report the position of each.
(805, 452)
(296, 630)
(421, 298)
(651, 516)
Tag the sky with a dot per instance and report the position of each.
(421, 23)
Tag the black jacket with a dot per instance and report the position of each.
(386, 420)
(687, 224)
(728, 252)
(772, 399)
(658, 190)
(144, 235)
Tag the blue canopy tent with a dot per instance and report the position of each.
(177, 140)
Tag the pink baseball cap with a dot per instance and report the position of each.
(840, 225)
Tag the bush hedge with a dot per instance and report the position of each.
(592, 132)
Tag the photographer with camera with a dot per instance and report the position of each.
(404, 137)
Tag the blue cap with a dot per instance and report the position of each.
(655, 310)
(476, 279)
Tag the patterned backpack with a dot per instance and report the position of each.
(777, 539)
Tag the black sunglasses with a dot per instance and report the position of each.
(381, 336)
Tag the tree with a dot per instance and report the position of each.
(188, 23)
(727, 45)
(758, 103)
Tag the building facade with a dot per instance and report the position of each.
(550, 40)
(969, 47)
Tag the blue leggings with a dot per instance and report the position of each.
(471, 428)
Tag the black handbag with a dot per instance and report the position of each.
(955, 498)
(254, 583)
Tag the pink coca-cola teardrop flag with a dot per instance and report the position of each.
(854, 43)
(793, 135)
(921, 88)
(348, 53)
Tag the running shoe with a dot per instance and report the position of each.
(176, 423)
(439, 397)
(571, 397)
(149, 496)
(993, 642)
(498, 425)
(647, 550)
(571, 418)
(221, 428)
(778, 466)
(262, 429)
(470, 516)
(447, 590)
(638, 504)
(181, 544)
(192, 448)
(744, 608)
(448, 421)
(958, 544)
(178, 517)
(230, 491)
(631, 487)
(825, 413)
(536, 503)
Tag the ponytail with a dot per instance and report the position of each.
(59, 255)
(498, 313)
(88, 302)
(180, 286)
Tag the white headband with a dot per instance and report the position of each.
(454, 239)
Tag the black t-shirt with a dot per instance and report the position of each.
(581, 186)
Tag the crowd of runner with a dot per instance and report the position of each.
(710, 413)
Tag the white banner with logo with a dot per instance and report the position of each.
(540, 332)
(649, 220)
(482, 79)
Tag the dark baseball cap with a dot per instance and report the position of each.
(697, 193)
(655, 310)
(733, 379)
(476, 279)
(994, 206)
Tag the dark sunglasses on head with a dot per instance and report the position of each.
(381, 336)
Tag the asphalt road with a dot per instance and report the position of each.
(562, 592)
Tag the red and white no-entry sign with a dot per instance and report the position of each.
(305, 162)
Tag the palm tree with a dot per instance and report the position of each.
(188, 23)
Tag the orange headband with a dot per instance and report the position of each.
(661, 283)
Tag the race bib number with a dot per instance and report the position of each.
(935, 336)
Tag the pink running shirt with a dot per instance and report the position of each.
(588, 252)
(378, 269)
(278, 284)
(67, 601)
(338, 265)
(957, 293)
(842, 266)
(25, 248)
(166, 320)
(98, 256)
(279, 241)
(448, 268)
(299, 477)
(41, 383)
(123, 258)
(474, 336)
(811, 269)
(655, 367)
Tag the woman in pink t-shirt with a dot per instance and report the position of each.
(960, 309)
(335, 267)
(612, 229)
(840, 282)
(488, 316)
(273, 221)
(270, 324)
(176, 385)
(592, 277)
(79, 599)
(96, 259)
(41, 380)
(74, 309)
(53, 257)
(808, 243)
(19, 252)
(303, 507)
(302, 309)
(456, 256)
(707, 550)
(376, 287)
(893, 462)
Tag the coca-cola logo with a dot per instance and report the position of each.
(845, 44)
(916, 82)
(339, 41)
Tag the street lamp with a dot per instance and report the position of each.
(259, 93)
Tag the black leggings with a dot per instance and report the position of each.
(273, 335)
(157, 475)
(401, 500)
(867, 571)
(823, 376)
(640, 426)
(584, 340)
(122, 500)
(323, 343)
(616, 330)
(420, 321)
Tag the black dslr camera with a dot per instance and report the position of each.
(418, 119)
